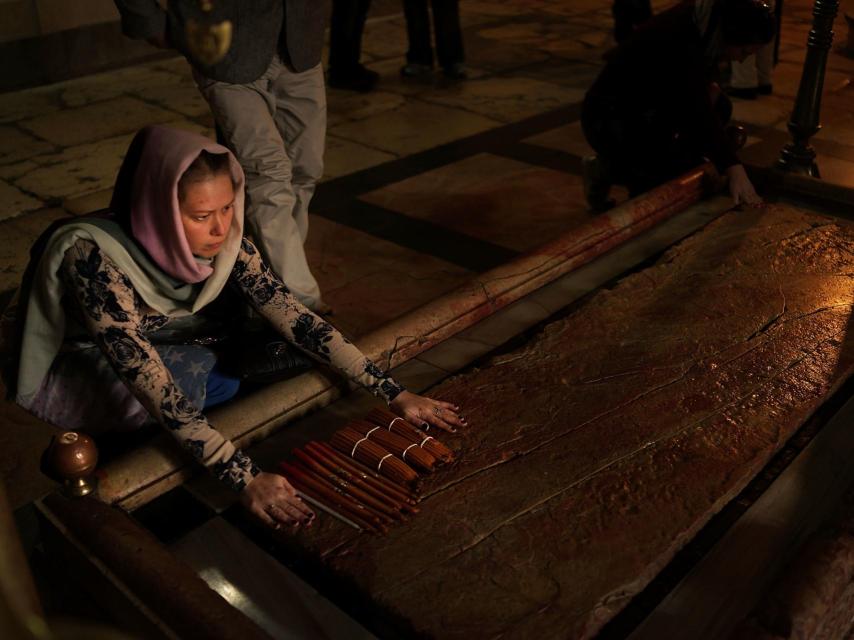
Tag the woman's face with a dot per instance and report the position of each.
(206, 212)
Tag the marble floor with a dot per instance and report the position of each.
(427, 182)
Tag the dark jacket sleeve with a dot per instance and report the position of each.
(142, 19)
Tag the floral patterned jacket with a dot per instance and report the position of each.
(102, 298)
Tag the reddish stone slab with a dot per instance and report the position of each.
(601, 447)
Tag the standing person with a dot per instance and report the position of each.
(655, 110)
(449, 38)
(628, 15)
(345, 46)
(268, 98)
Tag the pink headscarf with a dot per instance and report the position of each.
(147, 193)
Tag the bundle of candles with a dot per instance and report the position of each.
(366, 477)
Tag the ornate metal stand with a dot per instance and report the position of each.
(798, 156)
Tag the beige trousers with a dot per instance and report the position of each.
(755, 70)
(276, 126)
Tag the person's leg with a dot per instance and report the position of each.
(219, 388)
(449, 35)
(245, 115)
(300, 117)
(418, 31)
(345, 46)
(743, 79)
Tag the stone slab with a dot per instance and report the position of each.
(644, 413)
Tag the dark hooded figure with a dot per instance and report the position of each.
(655, 111)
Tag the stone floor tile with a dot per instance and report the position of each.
(183, 97)
(787, 77)
(385, 38)
(369, 281)
(836, 170)
(177, 65)
(764, 112)
(391, 80)
(79, 92)
(345, 106)
(12, 171)
(205, 129)
(17, 145)
(16, 105)
(564, 72)
(343, 157)
(81, 205)
(507, 99)
(590, 46)
(569, 138)
(414, 127)
(96, 121)
(500, 57)
(490, 9)
(482, 196)
(14, 202)
(18, 235)
(77, 170)
(839, 130)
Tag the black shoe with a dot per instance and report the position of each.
(415, 70)
(358, 78)
(746, 93)
(764, 89)
(456, 71)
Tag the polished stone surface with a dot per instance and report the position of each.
(505, 201)
(644, 412)
(368, 281)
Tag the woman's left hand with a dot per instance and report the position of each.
(424, 412)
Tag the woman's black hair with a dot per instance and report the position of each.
(207, 165)
(747, 22)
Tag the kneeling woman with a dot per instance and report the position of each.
(170, 244)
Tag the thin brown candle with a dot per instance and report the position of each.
(376, 481)
(333, 467)
(390, 513)
(398, 425)
(327, 494)
(369, 474)
(408, 451)
(380, 519)
(354, 444)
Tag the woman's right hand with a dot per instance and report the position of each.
(272, 499)
(740, 187)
